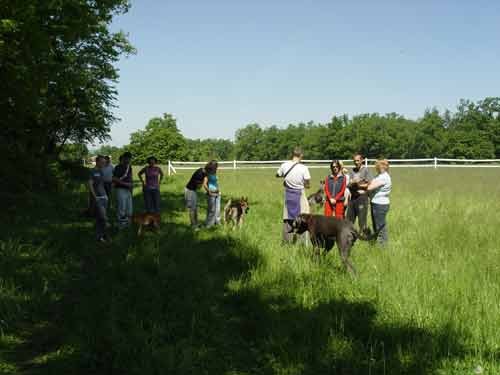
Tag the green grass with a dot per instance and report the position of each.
(238, 302)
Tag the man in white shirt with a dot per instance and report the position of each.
(296, 178)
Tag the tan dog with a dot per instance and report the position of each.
(146, 219)
(235, 211)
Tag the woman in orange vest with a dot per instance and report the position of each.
(335, 185)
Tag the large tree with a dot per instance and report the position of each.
(57, 74)
(161, 138)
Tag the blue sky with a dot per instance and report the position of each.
(219, 65)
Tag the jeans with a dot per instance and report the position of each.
(213, 211)
(101, 218)
(151, 200)
(191, 198)
(379, 213)
(358, 208)
(123, 206)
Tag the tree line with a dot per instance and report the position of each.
(472, 131)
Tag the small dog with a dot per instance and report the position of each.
(146, 219)
(319, 196)
(324, 231)
(235, 211)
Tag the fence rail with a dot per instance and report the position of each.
(436, 162)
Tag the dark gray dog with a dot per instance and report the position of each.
(325, 231)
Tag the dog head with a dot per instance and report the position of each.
(244, 204)
(300, 224)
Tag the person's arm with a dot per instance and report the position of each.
(91, 188)
(307, 179)
(375, 184)
(140, 174)
(340, 194)
(279, 172)
(329, 197)
(205, 184)
(161, 175)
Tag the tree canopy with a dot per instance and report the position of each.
(58, 77)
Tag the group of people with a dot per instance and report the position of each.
(106, 181)
(348, 194)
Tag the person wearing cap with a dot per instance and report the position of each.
(122, 180)
(379, 189)
(296, 178)
(151, 186)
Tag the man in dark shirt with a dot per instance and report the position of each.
(194, 183)
(358, 204)
(98, 192)
(122, 179)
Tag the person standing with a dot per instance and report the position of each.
(151, 187)
(191, 196)
(107, 172)
(211, 186)
(380, 188)
(98, 192)
(296, 178)
(335, 185)
(359, 202)
(122, 179)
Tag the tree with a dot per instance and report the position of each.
(160, 138)
(57, 74)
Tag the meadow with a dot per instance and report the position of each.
(239, 302)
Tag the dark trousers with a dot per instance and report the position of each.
(379, 214)
(101, 218)
(358, 208)
(152, 200)
(108, 186)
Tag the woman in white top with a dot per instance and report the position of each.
(380, 189)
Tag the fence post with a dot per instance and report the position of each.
(435, 162)
(234, 164)
(366, 162)
(168, 169)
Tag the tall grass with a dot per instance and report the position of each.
(239, 302)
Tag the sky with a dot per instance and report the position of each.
(220, 65)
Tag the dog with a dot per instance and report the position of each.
(235, 211)
(146, 219)
(319, 196)
(325, 231)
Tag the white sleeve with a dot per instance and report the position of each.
(307, 175)
(279, 172)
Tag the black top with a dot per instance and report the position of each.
(196, 179)
(123, 174)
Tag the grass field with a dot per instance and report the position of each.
(224, 302)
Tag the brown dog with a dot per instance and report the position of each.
(235, 211)
(146, 219)
(325, 230)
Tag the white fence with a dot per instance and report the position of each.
(173, 166)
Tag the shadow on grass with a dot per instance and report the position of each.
(162, 304)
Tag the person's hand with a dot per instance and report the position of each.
(332, 200)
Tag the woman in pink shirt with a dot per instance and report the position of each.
(151, 186)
